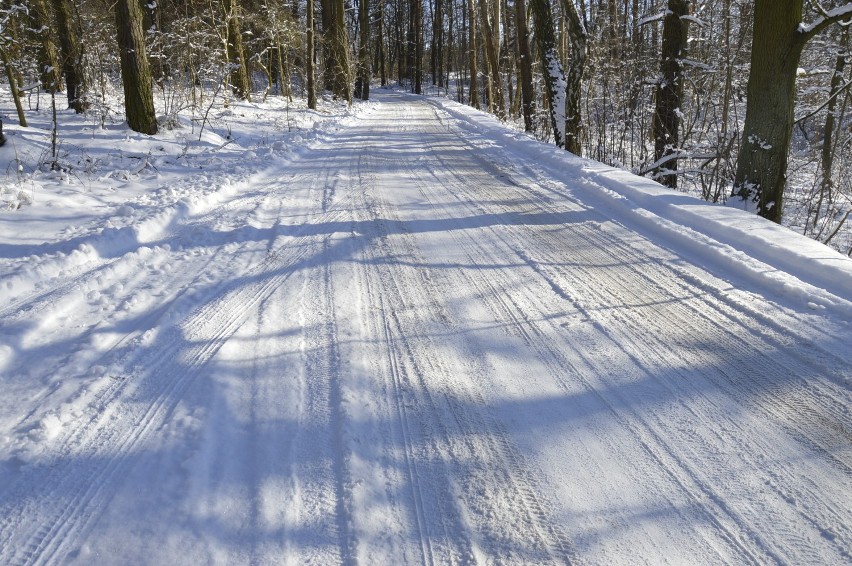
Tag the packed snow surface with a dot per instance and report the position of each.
(409, 335)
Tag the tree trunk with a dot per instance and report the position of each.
(827, 154)
(48, 55)
(380, 47)
(282, 70)
(554, 77)
(337, 71)
(506, 54)
(574, 78)
(414, 46)
(669, 92)
(762, 161)
(240, 82)
(135, 72)
(15, 87)
(72, 56)
(326, 40)
(362, 83)
(525, 63)
(310, 56)
(471, 46)
(438, 33)
(400, 42)
(496, 102)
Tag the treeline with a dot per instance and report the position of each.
(725, 98)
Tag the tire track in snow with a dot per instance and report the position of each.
(148, 272)
(800, 406)
(543, 242)
(322, 378)
(406, 437)
(505, 307)
(380, 328)
(505, 465)
(81, 487)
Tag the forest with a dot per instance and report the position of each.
(738, 101)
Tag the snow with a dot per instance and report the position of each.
(834, 14)
(403, 333)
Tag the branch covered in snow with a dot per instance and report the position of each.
(828, 17)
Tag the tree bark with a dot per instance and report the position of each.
(496, 101)
(14, 87)
(310, 55)
(777, 46)
(240, 82)
(471, 46)
(438, 34)
(525, 63)
(135, 72)
(72, 56)
(362, 83)
(48, 54)
(380, 45)
(554, 77)
(337, 71)
(574, 78)
(827, 153)
(414, 46)
(670, 92)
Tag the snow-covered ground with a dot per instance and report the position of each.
(401, 333)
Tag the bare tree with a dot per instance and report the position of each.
(577, 38)
(135, 71)
(49, 70)
(554, 76)
(240, 81)
(362, 81)
(72, 56)
(669, 93)
(524, 64)
(471, 46)
(310, 56)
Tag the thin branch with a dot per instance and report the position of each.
(837, 228)
(824, 104)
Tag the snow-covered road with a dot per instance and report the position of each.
(414, 345)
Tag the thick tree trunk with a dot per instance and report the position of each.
(326, 41)
(669, 92)
(337, 73)
(554, 77)
(762, 162)
(48, 54)
(507, 59)
(496, 101)
(72, 56)
(135, 72)
(525, 63)
(574, 78)
(240, 81)
(414, 46)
